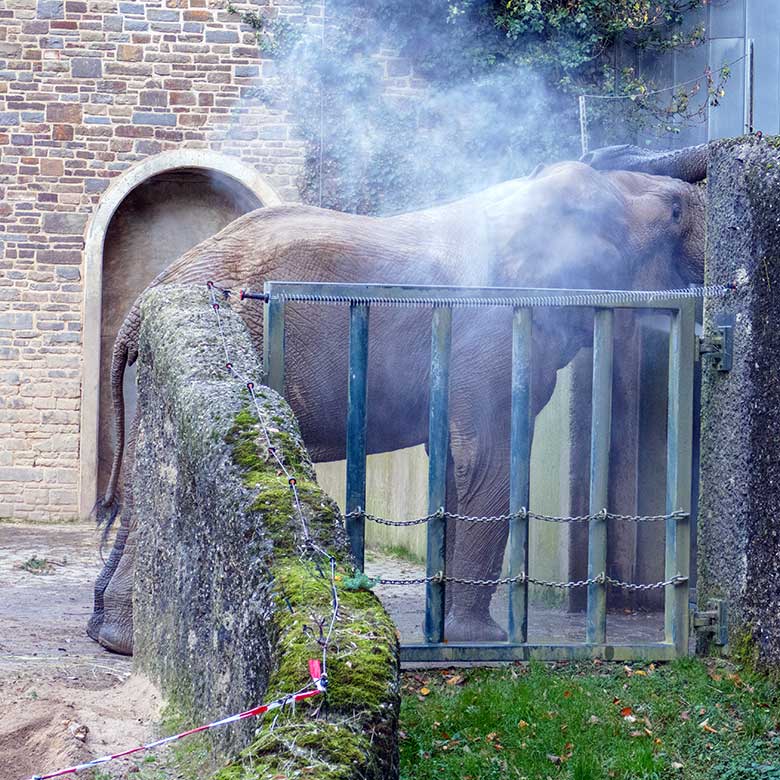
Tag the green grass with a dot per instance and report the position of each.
(690, 720)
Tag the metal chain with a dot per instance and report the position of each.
(595, 298)
(523, 514)
(601, 579)
(309, 544)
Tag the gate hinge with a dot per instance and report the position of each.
(719, 347)
(713, 620)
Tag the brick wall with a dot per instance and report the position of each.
(87, 89)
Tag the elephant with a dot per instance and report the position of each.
(576, 224)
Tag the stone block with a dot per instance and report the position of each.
(62, 133)
(86, 68)
(10, 49)
(59, 256)
(161, 15)
(60, 222)
(51, 9)
(152, 118)
(10, 320)
(9, 118)
(131, 9)
(129, 53)
(221, 36)
(21, 475)
(153, 97)
(69, 113)
(96, 185)
(68, 274)
(51, 166)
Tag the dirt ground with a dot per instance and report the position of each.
(64, 699)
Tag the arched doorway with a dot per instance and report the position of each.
(149, 217)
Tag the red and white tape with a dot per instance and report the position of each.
(315, 688)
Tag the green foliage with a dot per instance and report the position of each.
(359, 581)
(492, 91)
(691, 720)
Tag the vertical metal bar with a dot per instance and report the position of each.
(273, 341)
(519, 472)
(749, 84)
(357, 394)
(600, 430)
(679, 446)
(584, 140)
(438, 440)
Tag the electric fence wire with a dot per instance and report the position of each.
(533, 299)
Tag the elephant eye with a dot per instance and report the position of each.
(676, 211)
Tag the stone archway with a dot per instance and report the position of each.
(149, 216)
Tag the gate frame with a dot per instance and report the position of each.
(679, 446)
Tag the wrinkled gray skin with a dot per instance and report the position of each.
(567, 225)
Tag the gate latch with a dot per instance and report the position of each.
(719, 348)
(713, 620)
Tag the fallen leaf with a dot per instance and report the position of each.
(522, 724)
(685, 715)
(626, 711)
(456, 679)
(424, 691)
(677, 765)
(566, 694)
(594, 719)
(554, 759)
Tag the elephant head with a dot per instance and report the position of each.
(640, 227)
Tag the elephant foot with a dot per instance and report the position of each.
(93, 626)
(472, 627)
(114, 638)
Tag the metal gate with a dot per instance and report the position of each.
(681, 308)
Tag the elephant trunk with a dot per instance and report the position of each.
(689, 164)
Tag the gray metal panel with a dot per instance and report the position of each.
(727, 19)
(763, 25)
(728, 118)
(691, 63)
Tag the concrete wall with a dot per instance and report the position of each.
(739, 544)
(222, 597)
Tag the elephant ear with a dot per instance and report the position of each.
(689, 164)
(547, 230)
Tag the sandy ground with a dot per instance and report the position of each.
(63, 698)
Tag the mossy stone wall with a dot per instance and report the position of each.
(739, 507)
(223, 598)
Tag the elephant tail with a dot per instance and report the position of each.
(125, 352)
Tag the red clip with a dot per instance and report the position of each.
(209, 284)
(240, 295)
(315, 669)
(216, 306)
(228, 366)
(292, 481)
(250, 385)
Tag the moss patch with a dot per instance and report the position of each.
(359, 711)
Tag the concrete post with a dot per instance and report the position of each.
(739, 510)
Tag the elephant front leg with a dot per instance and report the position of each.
(476, 550)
